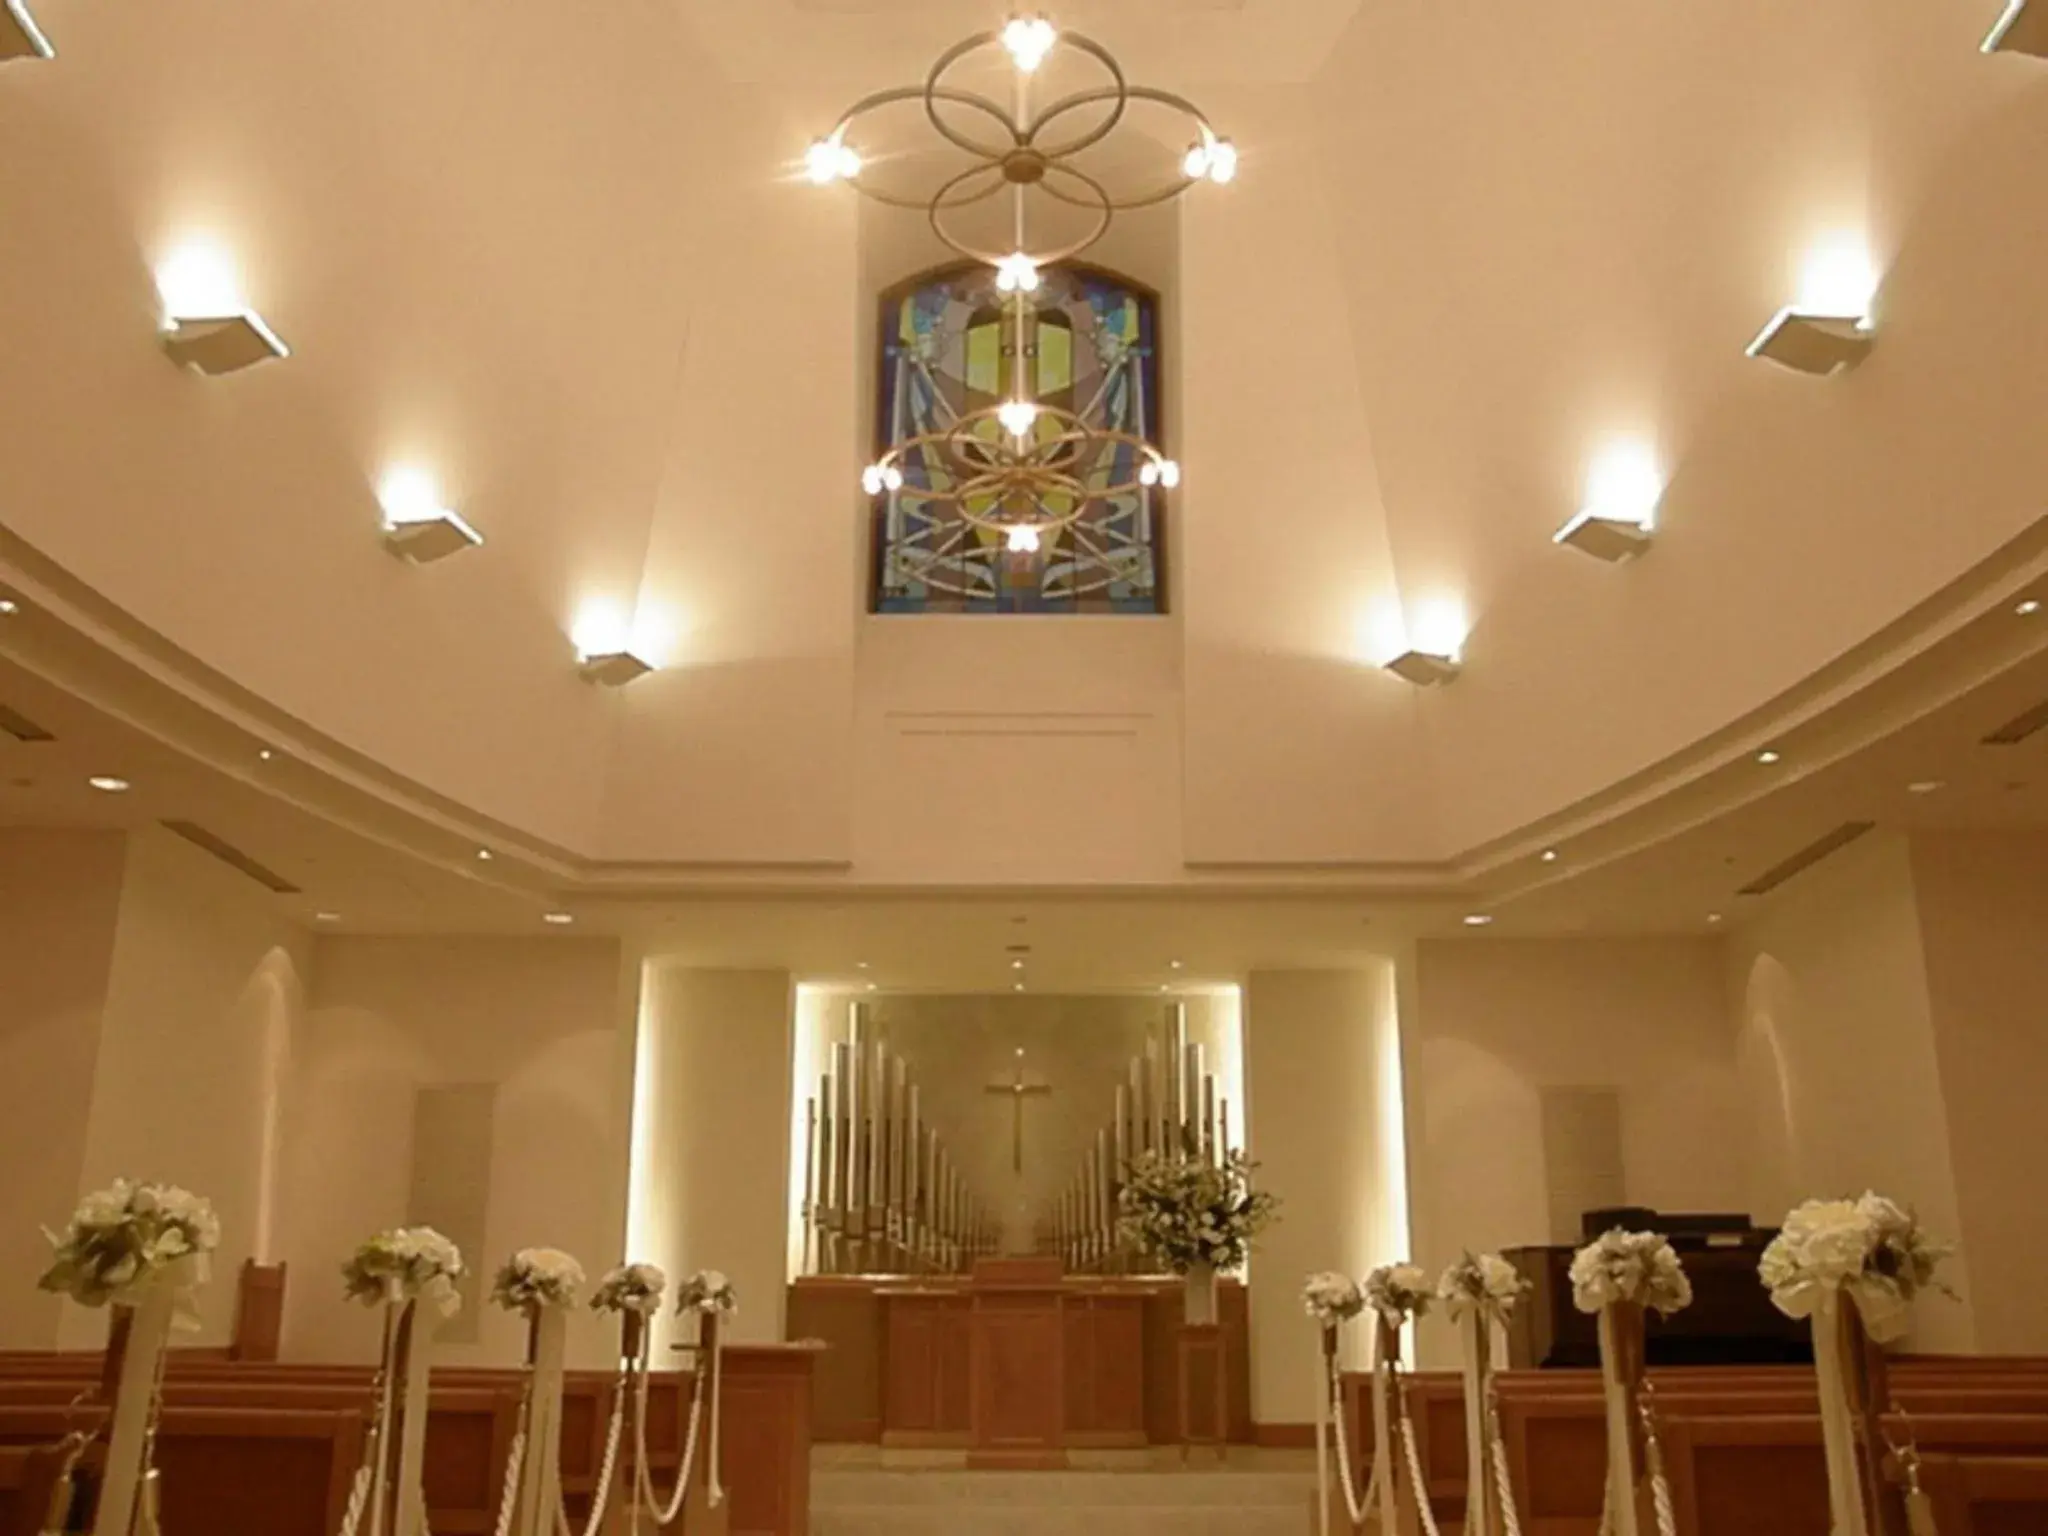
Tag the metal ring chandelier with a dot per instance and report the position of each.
(1022, 469)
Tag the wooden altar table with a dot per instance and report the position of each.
(1064, 1363)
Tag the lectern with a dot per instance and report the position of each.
(1017, 1358)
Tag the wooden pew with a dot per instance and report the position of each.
(472, 1417)
(28, 1478)
(277, 1471)
(1987, 1495)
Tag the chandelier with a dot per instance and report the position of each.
(1022, 469)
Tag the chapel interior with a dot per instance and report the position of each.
(799, 640)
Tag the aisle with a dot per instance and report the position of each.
(1256, 1493)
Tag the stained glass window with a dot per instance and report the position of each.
(948, 347)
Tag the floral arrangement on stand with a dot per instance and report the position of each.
(537, 1277)
(405, 1264)
(707, 1290)
(143, 1248)
(1398, 1292)
(631, 1288)
(1332, 1298)
(123, 1238)
(1618, 1276)
(1185, 1211)
(1640, 1268)
(1853, 1268)
(1484, 1283)
(1871, 1248)
(1479, 1291)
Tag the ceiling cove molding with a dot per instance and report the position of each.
(1909, 667)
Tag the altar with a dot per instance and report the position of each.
(1014, 1364)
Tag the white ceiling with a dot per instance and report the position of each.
(561, 259)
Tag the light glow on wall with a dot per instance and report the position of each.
(604, 626)
(408, 494)
(646, 1235)
(1625, 482)
(197, 279)
(1390, 1128)
(1838, 278)
(1436, 626)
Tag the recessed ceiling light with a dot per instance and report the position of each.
(485, 855)
(1163, 987)
(8, 605)
(871, 986)
(860, 965)
(1713, 917)
(1019, 987)
(2028, 607)
(1173, 965)
(1925, 786)
(326, 917)
(107, 783)
(1477, 919)
(1016, 965)
(1768, 756)
(265, 755)
(1549, 855)
(559, 919)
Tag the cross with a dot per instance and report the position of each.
(1018, 1090)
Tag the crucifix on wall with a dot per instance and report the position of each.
(1018, 1091)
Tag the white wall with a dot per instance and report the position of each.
(202, 1003)
(59, 895)
(540, 1019)
(1498, 1020)
(1843, 1086)
(711, 1154)
(1322, 1057)
(1983, 904)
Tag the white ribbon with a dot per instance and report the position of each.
(540, 1486)
(417, 1366)
(1473, 1333)
(1837, 1424)
(1621, 1451)
(1328, 1405)
(149, 1330)
(714, 1474)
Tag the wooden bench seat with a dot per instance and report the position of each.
(1987, 1495)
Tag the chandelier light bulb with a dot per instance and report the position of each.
(1196, 166)
(1222, 162)
(871, 479)
(1029, 39)
(1018, 417)
(830, 160)
(1169, 473)
(1022, 539)
(892, 478)
(1017, 274)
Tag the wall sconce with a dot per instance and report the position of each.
(209, 326)
(1620, 514)
(417, 528)
(227, 344)
(1425, 669)
(613, 669)
(20, 37)
(1829, 329)
(2022, 29)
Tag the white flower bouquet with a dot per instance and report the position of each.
(124, 1237)
(1332, 1298)
(631, 1288)
(707, 1291)
(1183, 1211)
(537, 1277)
(1398, 1292)
(1638, 1267)
(405, 1264)
(1486, 1283)
(1871, 1248)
